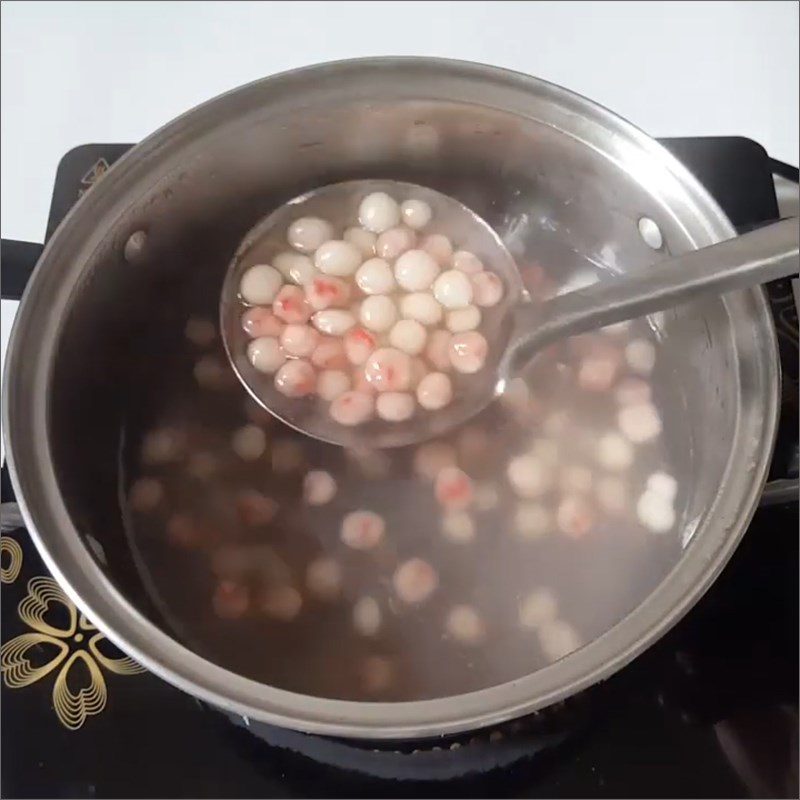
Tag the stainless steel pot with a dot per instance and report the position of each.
(525, 155)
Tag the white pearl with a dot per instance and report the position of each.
(378, 313)
(375, 276)
(395, 406)
(439, 248)
(388, 370)
(434, 391)
(532, 521)
(487, 289)
(416, 213)
(367, 616)
(294, 267)
(438, 350)
(260, 284)
(463, 319)
(409, 336)
(537, 609)
(640, 422)
(394, 242)
(249, 442)
(333, 321)
(296, 379)
(337, 257)
(362, 530)
(299, 340)
(458, 526)
(421, 306)
(415, 581)
(319, 487)
(331, 383)
(308, 233)
(324, 578)
(655, 512)
(574, 516)
(364, 240)
(664, 484)
(614, 452)
(468, 352)
(265, 354)
(453, 289)
(465, 625)
(352, 408)
(557, 639)
(415, 270)
(529, 476)
(378, 212)
(467, 262)
(641, 356)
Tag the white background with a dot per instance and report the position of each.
(74, 73)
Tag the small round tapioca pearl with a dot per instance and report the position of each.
(465, 625)
(249, 442)
(486, 496)
(337, 257)
(260, 284)
(614, 452)
(664, 484)
(331, 383)
(458, 526)
(255, 508)
(388, 370)
(395, 242)
(529, 476)
(294, 267)
(296, 379)
(434, 391)
(532, 521)
(574, 516)
(377, 674)
(467, 262)
(286, 456)
(333, 321)
(557, 639)
(422, 307)
(282, 603)
(362, 530)
(468, 352)
(266, 354)
(641, 356)
(537, 609)
(359, 343)
(363, 240)
(439, 248)
(416, 213)
(324, 578)
(378, 313)
(210, 373)
(290, 306)
(633, 391)
(415, 581)
(415, 271)
(433, 457)
(453, 489)
(438, 350)
(378, 212)
(611, 494)
(325, 292)
(145, 494)
(574, 478)
(299, 340)
(463, 319)
(200, 332)
(409, 336)
(640, 422)
(453, 289)
(487, 289)
(162, 446)
(261, 322)
(308, 233)
(395, 406)
(655, 512)
(329, 354)
(375, 276)
(352, 408)
(367, 616)
(596, 373)
(319, 487)
(230, 600)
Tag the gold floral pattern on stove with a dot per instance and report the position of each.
(9, 570)
(59, 637)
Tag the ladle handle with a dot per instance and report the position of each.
(757, 257)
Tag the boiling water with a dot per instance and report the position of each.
(245, 570)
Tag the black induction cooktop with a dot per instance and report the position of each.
(710, 711)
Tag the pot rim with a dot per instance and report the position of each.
(67, 557)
